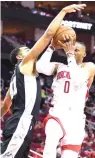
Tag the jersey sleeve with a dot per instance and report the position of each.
(44, 65)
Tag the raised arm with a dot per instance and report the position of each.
(5, 106)
(49, 33)
(46, 67)
(43, 65)
(69, 49)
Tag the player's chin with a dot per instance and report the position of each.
(76, 57)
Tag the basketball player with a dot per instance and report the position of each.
(66, 119)
(24, 93)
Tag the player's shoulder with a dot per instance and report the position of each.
(91, 68)
(90, 64)
(61, 65)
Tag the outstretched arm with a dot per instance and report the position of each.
(49, 33)
(6, 104)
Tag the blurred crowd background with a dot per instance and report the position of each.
(23, 23)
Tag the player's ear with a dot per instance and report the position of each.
(18, 57)
(84, 54)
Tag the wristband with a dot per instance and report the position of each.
(69, 53)
(51, 47)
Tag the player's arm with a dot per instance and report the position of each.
(91, 67)
(46, 67)
(69, 49)
(49, 33)
(5, 106)
(43, 65)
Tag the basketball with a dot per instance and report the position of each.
(63, 30)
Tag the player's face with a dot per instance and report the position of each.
(23, 51)
(80, 52)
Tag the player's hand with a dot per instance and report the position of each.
(68, 44)
(54, 45)
(74, 8)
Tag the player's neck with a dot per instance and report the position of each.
(79, 62)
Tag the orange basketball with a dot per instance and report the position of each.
(62, 31)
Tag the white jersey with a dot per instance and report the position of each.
(69, 89)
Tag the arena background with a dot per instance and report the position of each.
(23, 22)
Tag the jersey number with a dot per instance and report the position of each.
(66, 86)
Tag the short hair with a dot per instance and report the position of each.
(14, 53)
(81, 43)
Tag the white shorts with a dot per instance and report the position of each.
(73, 132)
